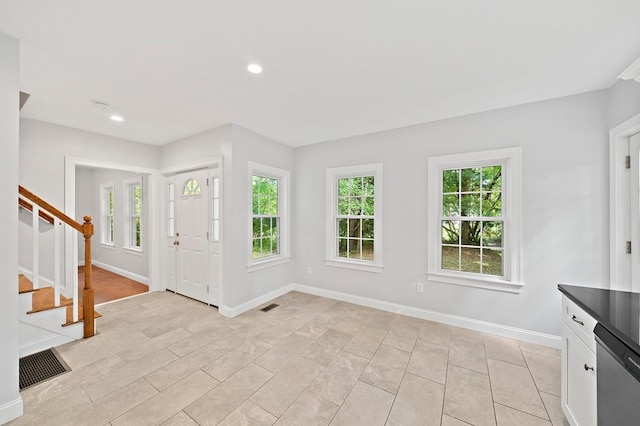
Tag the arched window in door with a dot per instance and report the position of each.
(191, 187)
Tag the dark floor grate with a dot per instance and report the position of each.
(269, 307)
(39, 367)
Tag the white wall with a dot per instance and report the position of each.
(624, 101)
(237, 146)
(10, 401)
(43, 149)
(250, 146)
(88, 200)
(565, 208)
(44, 146)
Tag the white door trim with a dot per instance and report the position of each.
(619, 205)
(71, 262)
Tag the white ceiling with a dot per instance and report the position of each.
(331, 68)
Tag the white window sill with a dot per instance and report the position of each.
(132, 250)
(108, 246)
(267, 263)
(352, 264)
(470, 280)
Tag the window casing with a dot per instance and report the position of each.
(133, 238)
(354, 217)
(269, 216)
(475, 219)
(106, 214)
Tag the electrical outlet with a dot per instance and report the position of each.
(308, 270)
(420, 287)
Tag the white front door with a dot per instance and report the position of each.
(191, 235)
(634, 154)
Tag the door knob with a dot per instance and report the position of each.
(176, 243)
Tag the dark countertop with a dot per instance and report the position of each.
(617, 311)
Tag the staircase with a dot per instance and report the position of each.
(51, 313)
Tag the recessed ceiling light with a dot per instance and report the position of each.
(254, 68)
(117, 118)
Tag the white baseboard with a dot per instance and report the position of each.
(42, 345)
(116, 270)
(11, 410)
(454, 320)
(253, 303)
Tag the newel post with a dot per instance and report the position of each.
(88, 313)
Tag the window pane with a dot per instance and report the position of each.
(451, 180)
(191, 187)
(492, 204)
(492, 234)
(257, 248)
(216, 188)
(367, 250)
(492, 178)
(216, 230)
(470, 232)
(343, 206)
(367, 228)
(470, 205)
(356, 186)
(470, 180)
(343, 227)
(354, 228)
(342, 247)
(369, 206)
(470, 260)
(492, 262)
(450, 258)
(369, 185)
(450, 232)
(256, 227)
(355, 249)
(343, 187)
(450, 205)
(355, 206)
(273, 205)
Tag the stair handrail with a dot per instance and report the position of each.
(86, 229)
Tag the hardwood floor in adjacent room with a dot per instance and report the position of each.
(109, 286)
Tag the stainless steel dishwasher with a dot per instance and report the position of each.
(618, 380)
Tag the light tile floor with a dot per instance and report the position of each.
(160, 358)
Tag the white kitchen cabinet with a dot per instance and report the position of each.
(579, 398)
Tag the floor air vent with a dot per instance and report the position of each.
(39, 367)
(269, 307)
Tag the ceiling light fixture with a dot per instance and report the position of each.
(254, 68)
(116, 117)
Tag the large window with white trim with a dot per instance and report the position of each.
(106, 214)
(474, 219)
(133, 238)
(269, 227)
(354, 217)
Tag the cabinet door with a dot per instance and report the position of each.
(581, 399)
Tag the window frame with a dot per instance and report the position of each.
(511, 161)
(129, 214)
(107, 228)
(284, 179)
(332, 177)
